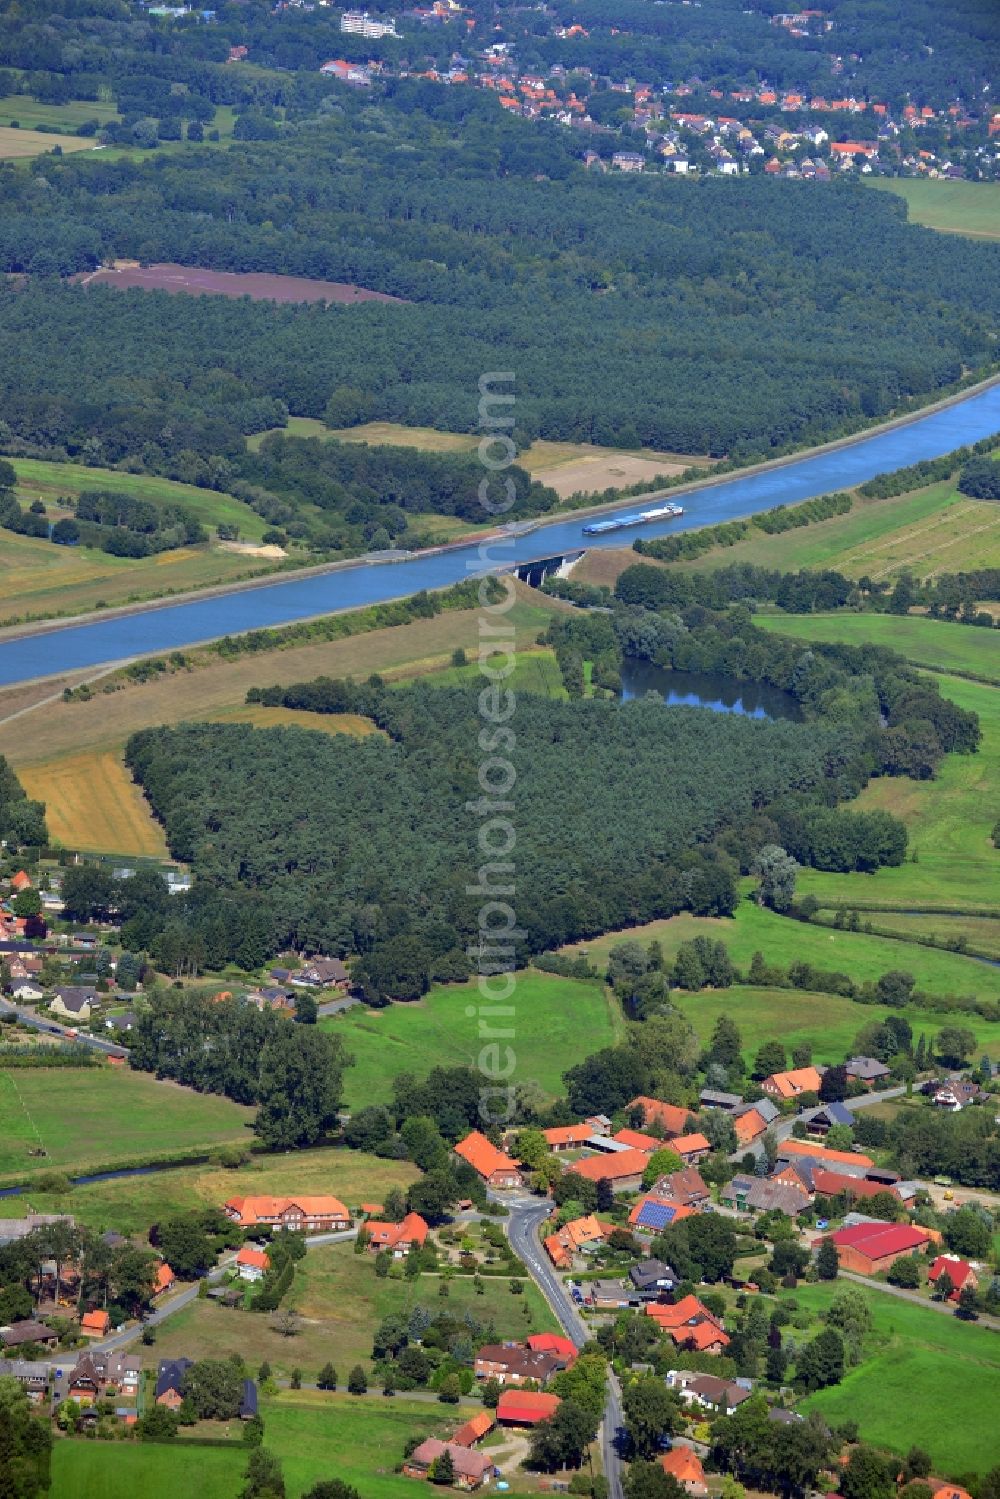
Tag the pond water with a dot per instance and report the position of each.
(707, 689)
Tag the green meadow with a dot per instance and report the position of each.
(926, 1378)
(556, 1023)
(937, 644)
(971, 208)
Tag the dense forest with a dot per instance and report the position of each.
(368, 847)
(610, 297)
(22, 822)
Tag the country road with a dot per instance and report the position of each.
(946, 1309)
(526, 1216)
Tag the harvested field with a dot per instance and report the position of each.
(93, 805)
(197, 281)
(18, 144)
(597, 469)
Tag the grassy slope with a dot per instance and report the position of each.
(30, 114)
(556, 1023)
(971, 208)
(20, 145)
(341, 1302)
(38, 578)
(950, 818)
(937, 644)
(926, 1377)
(93, 1117)
(783, 941)
(928, 530)
(131, 1205)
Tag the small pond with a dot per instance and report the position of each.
(706, 689)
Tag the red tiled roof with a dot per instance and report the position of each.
(678, 1312)
(412, 1230)
(253, 1210)
(748, 1126)
(639, 1141)
(673, 1119)
(568, 1134)
(702, 1335)
(95, 1322)
(552, 1342)
(879, 1239)
(683, 1464)
(958, 1270)
(482, 1156)
(823, 1153)
(476, 1427)
(612, 1167)
(526, 1406)
(688, 1144)
(164, 1278)
(832, 1183)
(254, 1259)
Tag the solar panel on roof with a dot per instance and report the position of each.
(656, 1215)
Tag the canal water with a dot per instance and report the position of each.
(170, 626)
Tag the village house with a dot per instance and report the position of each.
(628, 161)
(838, 1184)
(690, 1325)
(74, 1002)
(633, 1139)
(671, 1119)
(652, 1278)
(525, 1407)
(95, 1324)
(622, 1170)
(516, 1363)
(553, 1342)
(496, 1168)
(306, 1214)
(170, 1382)
(609, 1295)
(397, 1238)
(711, 1098)
(19, 1334)
(684, 1464)
(749, 1125)
(720, 1396)
(686, 1186)
(567, 1137)
(867, 1070)
(347, 72)
(754, 1194)
(579, 1236)
(165, 1278)
(654, 1212)
(870, 1248)
(98, 1376)
(690, 1148)
(822, 1120)
(477, 1427)
(822, 1155)
(31, 1374)
(958, 1271)
(252, 1264)
(321, 973)
(471, 1468)
(956, 1094)
(789, 1085)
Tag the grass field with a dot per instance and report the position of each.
(19, 145)
(950, 818)
(30, 114)
(926, 531)
(92, 805)
(316, 1436)
(534, 671)
(926, 1378)
(132, 1204)
(341, 1302)
(557, 1022)
(784, 941)
(278, 718)
(40, 579)
(95, 1116)
(971, 208)
(937, 644)
(981, 933)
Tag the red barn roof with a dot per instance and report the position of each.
(526, 1407)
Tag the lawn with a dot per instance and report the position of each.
(104, 1470)
(92, 805)
(827, 1022)
(132, 1204)
(937, 644)
(557, 1022)
(93, 1117)
(927, 1378)
(971, 208)
(784, 941)
(341, 1302)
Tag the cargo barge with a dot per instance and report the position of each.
(640, 518)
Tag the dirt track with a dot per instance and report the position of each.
(260, 286)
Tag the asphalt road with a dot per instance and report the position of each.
(782, 1128)
(53, 1028)
(526, 1216)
